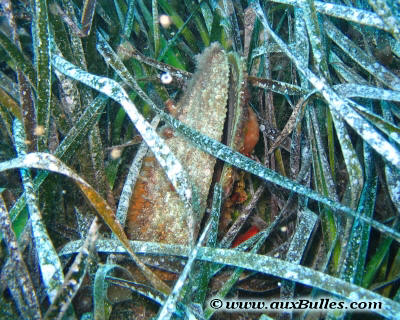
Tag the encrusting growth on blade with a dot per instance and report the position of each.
(156, 213)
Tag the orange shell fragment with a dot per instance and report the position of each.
(251, 232)
(251, 132)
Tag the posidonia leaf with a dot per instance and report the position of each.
(18, 58)
(277, 86)
(386, 13)
(392, 174)
(238, 160)
(347, 13)
(170, 305)
(134, 170)
(306, 224)
(337, 103)
(361, 58)
(156, 28)
(49, 262)
(258, 240)
(87, 16)
(46, 161)
(314, 35)
(353, 166)
(219, 150)
(351, 90)
(74, 277)
(363, 63)
(66, 148)
(256, 262)
(19, 283)
(102, 307)
(152, 295)
(114, 61)
(355, 253)
(128, 21)
(205, 274)
(348, 90)
(179, 23)
(9, 86)
(43, 69)
(10, 104)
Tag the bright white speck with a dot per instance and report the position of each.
(48, 271)
(171, 307)
(353, 296)
(106, 87)
(319, 85)
(52, 167)
(188, 193)
(115, 153)
(69, 100)
(165, 21)
(166, 78)
(291, 275)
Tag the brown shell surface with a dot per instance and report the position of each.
(156, 212)
(251, 132)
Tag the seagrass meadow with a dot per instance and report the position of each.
(158, 154)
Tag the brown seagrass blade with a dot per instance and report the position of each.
(156, 212)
